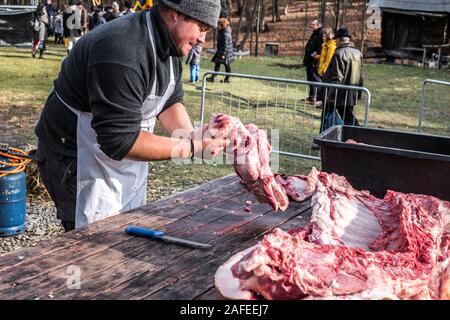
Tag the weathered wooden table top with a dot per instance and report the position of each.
(113, 265)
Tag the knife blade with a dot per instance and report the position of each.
(161, 235)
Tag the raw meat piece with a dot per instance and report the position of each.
(250, 150)
(356, 247)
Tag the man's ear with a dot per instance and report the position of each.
(174, 15)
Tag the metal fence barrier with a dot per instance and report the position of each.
(280, 107)
(435, 107)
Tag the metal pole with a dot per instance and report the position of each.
(422, 101)
(202, 102)
(369, 96)
(422, 98)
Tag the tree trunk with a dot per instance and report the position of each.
(336, 14)
(250, 18)
(237, 31)
(262, 22)
(306, 25)
(258, 25)
(363, 25)
(240, 7)
(323, 11)
(275, 11)
(344, 12)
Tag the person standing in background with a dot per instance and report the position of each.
(224, 54)
(51, 12)
(112, 12)
(39, 23)
(313, 50)
(58, 27)
(96, 18)
(328, 49)
(84, 17)
(127, 8)
(346, 69)
(193, 60)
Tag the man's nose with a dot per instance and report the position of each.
(201, 38)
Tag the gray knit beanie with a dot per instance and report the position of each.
(205, 11)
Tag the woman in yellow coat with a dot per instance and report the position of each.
(328, 48)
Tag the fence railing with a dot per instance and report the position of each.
(281, 107)
(438, 102)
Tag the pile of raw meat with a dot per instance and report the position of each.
(355, 247)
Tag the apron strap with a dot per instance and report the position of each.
(152, 41)
(77, 112)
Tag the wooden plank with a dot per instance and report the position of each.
(193, 287)
(18, 257)
(97, 243)
(189, 265)
(52, 274)
(210, 294)
(103, 267)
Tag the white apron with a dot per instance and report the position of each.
(106, 187)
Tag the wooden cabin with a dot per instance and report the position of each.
(414, 25)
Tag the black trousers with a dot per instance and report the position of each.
(227, 68)
(59, 175)
(312, 75)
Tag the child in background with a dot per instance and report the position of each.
(58, 27)
(193, 59)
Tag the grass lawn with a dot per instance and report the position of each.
(25, 83)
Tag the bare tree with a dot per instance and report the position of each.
(258, 24)
(344, 12)
(323, 10)
(240, 6)
(336, 14)
(250, 15)
(363, 24)
(306, 24)
(275, 11)
(241, 10)
(261, 20)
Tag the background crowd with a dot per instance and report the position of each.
(69, 24)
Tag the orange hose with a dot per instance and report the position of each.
(15, 161)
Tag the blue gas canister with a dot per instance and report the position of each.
(12, 199)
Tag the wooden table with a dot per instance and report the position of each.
(113, 265)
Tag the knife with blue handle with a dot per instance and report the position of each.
(160, 235)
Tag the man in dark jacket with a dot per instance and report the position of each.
(311, 59)
(96, 129)
(345, 68)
